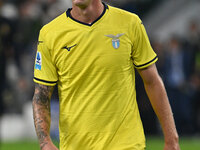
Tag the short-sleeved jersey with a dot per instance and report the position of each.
(93, 66)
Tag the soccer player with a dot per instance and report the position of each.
(90, 52)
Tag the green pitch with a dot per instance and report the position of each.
(153, 143)
(186, 143)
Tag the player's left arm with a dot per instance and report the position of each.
(158, 97)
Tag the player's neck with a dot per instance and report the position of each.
(89, 13)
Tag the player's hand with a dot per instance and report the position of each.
(49, 146)
(172, 146)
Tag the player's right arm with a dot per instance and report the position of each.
(42, 115)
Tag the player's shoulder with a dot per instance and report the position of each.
(53, 25)
(126, 15)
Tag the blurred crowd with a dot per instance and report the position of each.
(20, 22)
(178, 65)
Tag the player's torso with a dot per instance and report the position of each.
(86, 56)
(91, 48)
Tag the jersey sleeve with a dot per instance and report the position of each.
(142, 52)
(44, 69)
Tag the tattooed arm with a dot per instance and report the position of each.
(42, 115)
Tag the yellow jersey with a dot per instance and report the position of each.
(93, 66)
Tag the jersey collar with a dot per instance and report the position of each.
(69, 15)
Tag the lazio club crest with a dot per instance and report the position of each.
(115, 40)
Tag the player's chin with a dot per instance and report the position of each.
(81, 3)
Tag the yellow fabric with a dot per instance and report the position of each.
(96, 79)
(48, 69)
(143, 55)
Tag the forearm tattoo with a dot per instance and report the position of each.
(41, 112)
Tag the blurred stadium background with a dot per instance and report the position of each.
(173, 27)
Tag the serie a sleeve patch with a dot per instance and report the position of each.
(38, 61)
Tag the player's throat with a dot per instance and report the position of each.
(89, 14)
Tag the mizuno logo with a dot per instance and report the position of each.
(115, 40)
(69, 48)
